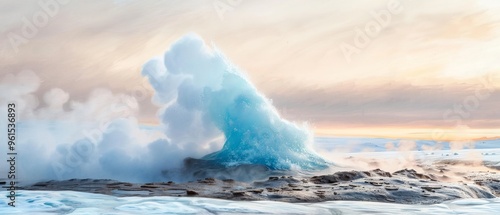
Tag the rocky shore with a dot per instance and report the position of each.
(405, 186)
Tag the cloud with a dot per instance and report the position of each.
(450, 42)
(380, 103)
(19, 88)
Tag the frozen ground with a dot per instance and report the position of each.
(70, 202)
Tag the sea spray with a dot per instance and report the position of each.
(209, 112)
(212, 91)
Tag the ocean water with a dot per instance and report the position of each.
(70, 202)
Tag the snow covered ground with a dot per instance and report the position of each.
(70, 202)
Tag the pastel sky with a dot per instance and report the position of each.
(430, 64)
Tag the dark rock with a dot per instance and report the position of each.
(391, 188)
(410, 173)
(238, 193)
(256, 190)
(167, 183)
(191, 192)
(337, 177)
(228, 180)
(382, 173)
(207, 181)
(431, 188)
(149, 186)
(270, 189)
(41, 184)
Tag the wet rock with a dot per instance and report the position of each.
(431, 188)
(256, 191)
(41, 184)
(191, 192)
(337, 177)
(411, 173)
(238, 193)
(207, 181)
(168, 183)
(382, 173)
(320, 193)
(149, 186)
(270, 189)
(228, 180)
(403, 187)
(391, 188)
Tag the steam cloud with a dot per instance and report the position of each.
(205, 104)
(213, 96)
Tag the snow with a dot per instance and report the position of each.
(71, 202)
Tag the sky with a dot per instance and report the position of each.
(406, 69)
